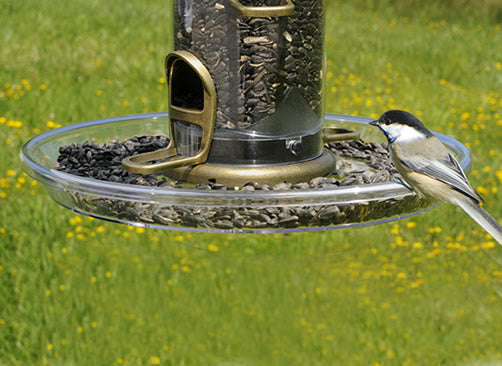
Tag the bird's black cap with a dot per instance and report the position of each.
(403, 118)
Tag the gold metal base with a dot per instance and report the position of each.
(239, 175)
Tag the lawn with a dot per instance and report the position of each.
(77, 291)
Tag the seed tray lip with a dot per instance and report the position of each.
(213, 230)
(41, 168)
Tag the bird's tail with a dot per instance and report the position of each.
(482, 217)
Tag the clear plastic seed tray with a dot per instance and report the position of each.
(191, 209)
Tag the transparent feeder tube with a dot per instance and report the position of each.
(267, 70)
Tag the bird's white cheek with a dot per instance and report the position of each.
(403, 133)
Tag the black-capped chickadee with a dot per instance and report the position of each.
(430, 169)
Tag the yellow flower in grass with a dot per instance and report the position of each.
(395, 229)
(483, 191)
(417, 283)
(52, 124)
(186, 269)
(155, 360)
(499, 175)
(488, 245)
(435, 230)
(75, 220)
(411, 225)
(15, 124)
(213, 248)
(465, 116)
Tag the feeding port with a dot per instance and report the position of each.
(245, 146)
(245, 95)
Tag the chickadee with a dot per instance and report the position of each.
(430, 169)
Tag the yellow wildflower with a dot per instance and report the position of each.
(213, 248)
(15, 124)
(411, 224)
(155, 360)
(52, 124)
(499, 175)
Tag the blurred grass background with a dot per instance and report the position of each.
(75, 291)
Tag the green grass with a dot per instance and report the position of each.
(75, 291)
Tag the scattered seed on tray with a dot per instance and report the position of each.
(103, 162)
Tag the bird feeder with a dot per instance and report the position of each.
(245, 145)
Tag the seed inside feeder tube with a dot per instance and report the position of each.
(259, 58)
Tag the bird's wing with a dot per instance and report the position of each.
(446, 170)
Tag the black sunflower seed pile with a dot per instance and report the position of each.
(103, 161)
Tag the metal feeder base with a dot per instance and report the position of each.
(239, 175)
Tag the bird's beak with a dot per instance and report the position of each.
(374, 123)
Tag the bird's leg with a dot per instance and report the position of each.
(401, 181)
